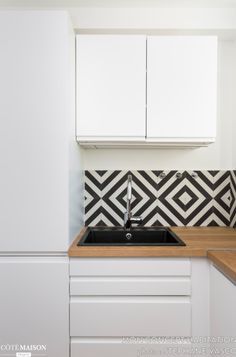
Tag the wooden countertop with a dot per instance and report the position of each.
(216, 243)
(225, 261)
(198, 240)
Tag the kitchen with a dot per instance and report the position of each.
(84, 301)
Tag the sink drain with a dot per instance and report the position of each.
(128, 236)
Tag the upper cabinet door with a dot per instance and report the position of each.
(181, 88)
(111, 77)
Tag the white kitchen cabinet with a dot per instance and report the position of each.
(38, 153)
(148, 285)
(222, 313)
(111, 76)
(200, 277)
(34, 304)
(130, 316)
(112, 299)
(130, 266)
(181, 88)
(175, 77)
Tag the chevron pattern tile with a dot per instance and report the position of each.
(183, 201)
(233, 203)
(167, 198)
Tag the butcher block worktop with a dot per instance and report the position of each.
(216, 243)
(198, 240)
(225, 261)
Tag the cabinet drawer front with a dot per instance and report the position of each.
(130, 316)
(130, 266)
(132, 347)
(130, 286)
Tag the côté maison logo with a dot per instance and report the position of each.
(23, 350)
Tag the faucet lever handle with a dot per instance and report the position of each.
(136, 219)
(129, 188)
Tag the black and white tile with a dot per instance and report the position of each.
(182, 201)
(168, 198)
(233, 201)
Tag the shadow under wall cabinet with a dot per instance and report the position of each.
(134, 90)
(151, 299)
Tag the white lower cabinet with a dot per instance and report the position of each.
(130, 316)
(34, 306)
(130, 306)
(222, 314)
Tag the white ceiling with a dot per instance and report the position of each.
(120, 3)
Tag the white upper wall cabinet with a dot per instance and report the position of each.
(181, 88)
(174, 77)
(111, 76)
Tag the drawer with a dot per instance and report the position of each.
(130, 267)
(133, 347)
(130, 316)
(130, 286)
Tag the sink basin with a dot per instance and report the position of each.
(141, 236)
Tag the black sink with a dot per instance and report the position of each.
(141, 236)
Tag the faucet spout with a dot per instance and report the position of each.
(128, 218)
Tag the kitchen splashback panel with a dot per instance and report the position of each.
(167, 198)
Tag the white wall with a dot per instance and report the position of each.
(153, 18)
(233, 105)
(217, 156)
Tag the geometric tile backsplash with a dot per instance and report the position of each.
(163, 198)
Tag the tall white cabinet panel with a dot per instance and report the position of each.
(34, 304)
(36, 129)
(111, 76)
(181, 88)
